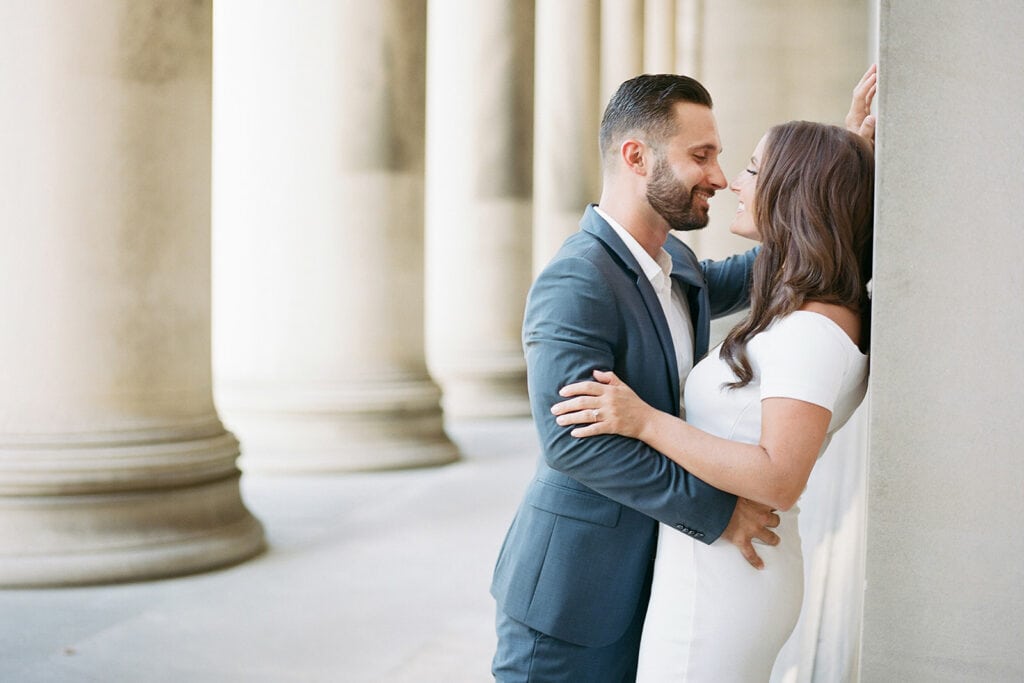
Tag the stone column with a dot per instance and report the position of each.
(659, 36)
(567, 170)
(479, 185)
(318, 235)
(622, 45)
(113, 463)
(690, 38)
(945, 549)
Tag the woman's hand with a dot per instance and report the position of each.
(859, 119)
(606, 406)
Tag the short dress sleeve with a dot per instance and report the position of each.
(803, 358)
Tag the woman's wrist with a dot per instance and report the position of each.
(647, 426)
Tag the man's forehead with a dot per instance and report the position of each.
(697, 127)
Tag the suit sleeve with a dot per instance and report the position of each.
(729, 282)
(571, 329)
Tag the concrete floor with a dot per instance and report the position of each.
(368, 577)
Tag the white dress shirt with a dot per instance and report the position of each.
(673, 303)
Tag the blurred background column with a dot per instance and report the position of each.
(113, 463)
(318, 235)
(567, 165)
(479, 204)
(659, 36)
(622, 46)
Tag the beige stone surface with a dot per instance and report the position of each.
(944, 598)
(567, 166)
(113, 462)
(479, 202)
(318, 236)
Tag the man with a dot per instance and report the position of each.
(573, 577)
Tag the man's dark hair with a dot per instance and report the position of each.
(646, 104)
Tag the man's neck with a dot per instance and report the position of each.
(647, 228)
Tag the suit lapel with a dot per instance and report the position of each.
(599, 228)
(687, 272)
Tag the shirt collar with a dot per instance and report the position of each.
(652, 268)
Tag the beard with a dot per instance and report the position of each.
(672, 201)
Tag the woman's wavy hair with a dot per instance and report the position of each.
(813, 206)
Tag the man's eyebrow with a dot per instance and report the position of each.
(706, 145)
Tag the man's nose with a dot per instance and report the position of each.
(716, 178)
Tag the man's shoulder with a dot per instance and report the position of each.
(578, 250)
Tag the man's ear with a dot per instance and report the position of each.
(634, 156)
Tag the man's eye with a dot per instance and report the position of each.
(699, 157)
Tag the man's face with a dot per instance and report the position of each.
(685, 173)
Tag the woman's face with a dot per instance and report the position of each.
(743, 186)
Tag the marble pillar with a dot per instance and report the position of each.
(690, 38)
(659, 36)
(479, 202)
(114, 465)
(567, 164)
(945, 589)
(318, 235)
(622, 45)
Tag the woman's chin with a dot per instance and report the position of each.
(743, 231)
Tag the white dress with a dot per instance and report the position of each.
(713, 617)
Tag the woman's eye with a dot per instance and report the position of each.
(751, 171)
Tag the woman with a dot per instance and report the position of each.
(761, 407)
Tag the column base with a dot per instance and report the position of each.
(128, 536)
(486, 397)
(389, 424)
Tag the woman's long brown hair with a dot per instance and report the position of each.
(813, 206)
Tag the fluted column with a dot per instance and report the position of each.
(690, 37)
(479, 185)
(659, 36)
(622, 45)
(567, 173)
(113, 462)
(318, 235)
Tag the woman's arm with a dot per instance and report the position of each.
(773, 472)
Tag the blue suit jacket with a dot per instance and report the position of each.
(575, 563)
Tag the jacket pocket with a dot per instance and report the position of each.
(567, 502)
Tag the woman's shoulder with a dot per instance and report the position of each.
(809, 331)
(842, 317)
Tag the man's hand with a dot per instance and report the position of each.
(751, 520)
(859, 119)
